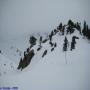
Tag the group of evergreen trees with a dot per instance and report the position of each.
(86, 30)
(70, 27)
(66, 43)
(73, 42)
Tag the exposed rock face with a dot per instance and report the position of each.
(26, 60)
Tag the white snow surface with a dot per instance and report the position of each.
(50, 72)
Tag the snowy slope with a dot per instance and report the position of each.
(51, 72)
(6, 66)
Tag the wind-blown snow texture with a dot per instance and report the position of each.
(50, 72)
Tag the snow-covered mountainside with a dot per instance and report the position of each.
(6, 66)
(57, 70)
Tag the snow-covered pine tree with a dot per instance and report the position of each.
(84, 31)
(32, 41)
(40, 40)
(65, 45)
(71, 26)
(73, 42)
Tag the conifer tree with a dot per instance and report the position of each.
(71, 23)
(0, 51)
(65, 45)
(84, 31)
(60, 26)
(78, 27)
(88, 32)
(40, 40)
(32, 41)
(71, 26)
